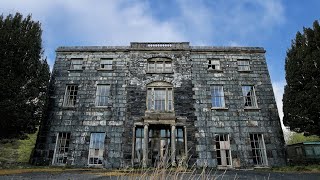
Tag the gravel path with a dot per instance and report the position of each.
(218, 175)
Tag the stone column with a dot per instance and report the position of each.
(185, 142)
(173, 145)
(145, 148)
(133, 144)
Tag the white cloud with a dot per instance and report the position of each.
(118, 22)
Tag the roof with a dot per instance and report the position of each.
(306, 143)
(184, 46)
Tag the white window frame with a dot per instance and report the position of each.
(70, 96)
(76, 64)
(259, 155)
(243, 65)
(249, 96)
(62, 148)
(217, 99)
(159, 65)
(96, 148)
(106, 63)
(214, 64)
(151, 95)
(102, 96)
(223, 147)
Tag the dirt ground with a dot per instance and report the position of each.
(218, 175)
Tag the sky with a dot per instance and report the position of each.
(271, 24)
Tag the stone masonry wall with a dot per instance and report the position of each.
(192, 83)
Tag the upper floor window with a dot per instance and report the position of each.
(214, 64)
(76, 64)
(217, 96)
(243, 65)
(159, 65)
(102, 95)
(70, 96)
(249, 96)
(160, 96)
(106, 63)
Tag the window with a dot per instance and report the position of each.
(249, 96)
(258, 149)
(213, 64)
(160, 65)
(70, 97)
(102, 95)
(106, 64)
(180, 142)
(62, 148)
(160, 98)
(217, 96)
(139, 145)
(243, 65)
(76, 64)
(96, 148)
(223, 150)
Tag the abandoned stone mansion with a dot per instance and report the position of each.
(147, 103)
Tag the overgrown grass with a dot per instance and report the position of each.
(308, 168)
(16, 151)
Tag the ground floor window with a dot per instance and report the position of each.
(258, 149)
(139, 144)
(62, 148)
(96, 148)
(180, 144)
(223, 149)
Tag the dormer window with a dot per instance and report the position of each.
(159, 65)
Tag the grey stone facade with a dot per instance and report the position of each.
(126, 113)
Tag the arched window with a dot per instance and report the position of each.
(160, 96)
(159, 65)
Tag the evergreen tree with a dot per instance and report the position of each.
(24, 75)
(301, 100)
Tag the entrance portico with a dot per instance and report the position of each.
(161, 137)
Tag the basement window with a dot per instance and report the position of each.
(96, 148)
(258, 150)
(62, 148)
(70, 96)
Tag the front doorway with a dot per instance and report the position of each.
(163, 147)
(159, 145)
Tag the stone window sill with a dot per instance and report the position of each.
(171, 72)
(215, 70)
(244, 71)
(75, 70)
(102, 107)
(219, 108)
(68, 107)
(101, 69)
(252, 109)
